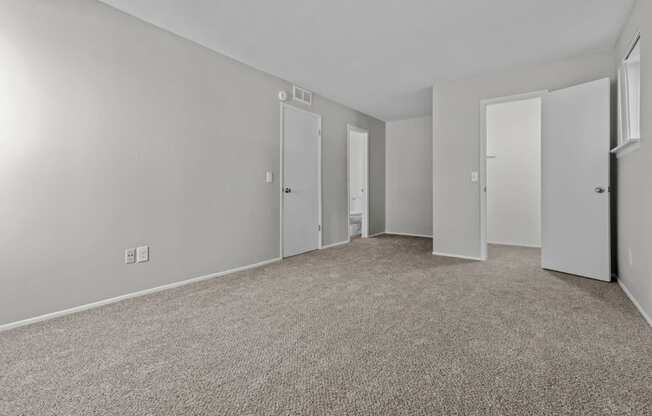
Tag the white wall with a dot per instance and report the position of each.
(115, 134)
(634, 186)
(409, 176)
(356, 172)
(456, 138)
(514, 173)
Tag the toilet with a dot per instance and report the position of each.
(355, 224)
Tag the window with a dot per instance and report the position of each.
(629, 96)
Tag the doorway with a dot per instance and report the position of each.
(301, 205)
(511, 171)
(358, 181)
(573, 160)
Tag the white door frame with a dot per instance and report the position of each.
(365, 203)
(282, 175)
(483, 158)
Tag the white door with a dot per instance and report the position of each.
(575, 188)
(301, 184)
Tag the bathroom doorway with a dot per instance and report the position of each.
(358, 181)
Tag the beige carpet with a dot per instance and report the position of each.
(380, 327)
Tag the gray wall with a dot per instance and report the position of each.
(634, 188)
(409, 176)
(335, 118)
(456, 138)
(376, 178)
(115, 134)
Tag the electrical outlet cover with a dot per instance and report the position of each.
(130, 256)
(142, 254)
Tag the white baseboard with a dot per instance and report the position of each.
(457, 256)
(97, 304)
(341, 243)
(513, 244)
(635, 302)
(408, 234)
(376, 235)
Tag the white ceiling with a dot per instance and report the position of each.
(382, 56)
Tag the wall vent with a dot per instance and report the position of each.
(302, 95)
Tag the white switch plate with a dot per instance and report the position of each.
(269, 177)
(142, 254)
(130, 256)
(474, 176)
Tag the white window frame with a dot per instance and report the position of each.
(628, 141)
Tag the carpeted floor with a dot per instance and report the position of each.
(379, 327)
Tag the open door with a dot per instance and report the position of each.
(575, 180)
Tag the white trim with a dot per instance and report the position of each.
(377, 234)
(623, 108)
(499, 243)
(408, 234)
(320, 233)
(457, 256)
(282, 175)
(635, 302)
(365, 204)
(131, 295)
(281, 172)
(341, 243)
(625, 148)
(435, 153)
(621, 97)
(483, 158)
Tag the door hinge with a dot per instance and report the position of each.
(319, 132)
(319, 228)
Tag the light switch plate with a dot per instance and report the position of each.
(474, 176)
(269, 177)
(130, 256)
(142, 254)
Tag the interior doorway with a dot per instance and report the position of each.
(358, 181)
(511, 171)
(567, 171)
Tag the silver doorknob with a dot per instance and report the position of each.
(287, 190)
(599, 190)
